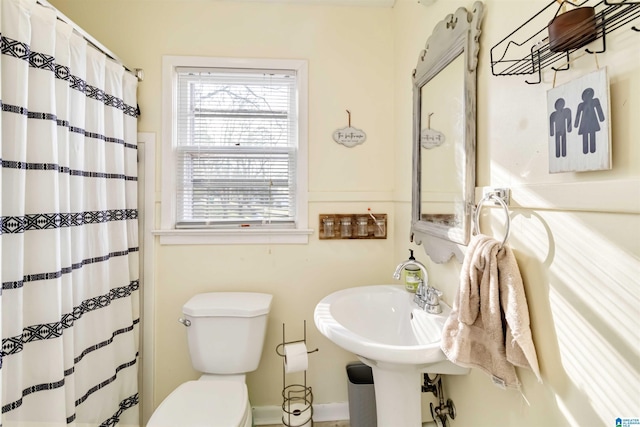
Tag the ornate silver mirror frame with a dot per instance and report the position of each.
(456, 37)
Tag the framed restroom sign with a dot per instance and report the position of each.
(580, 124)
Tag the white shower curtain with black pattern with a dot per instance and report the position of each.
(69, 242)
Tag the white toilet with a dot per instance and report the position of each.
(225, 332)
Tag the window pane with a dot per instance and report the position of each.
(236, 147)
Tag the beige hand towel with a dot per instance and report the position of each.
(488, 327)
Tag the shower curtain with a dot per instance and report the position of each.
(69, 241)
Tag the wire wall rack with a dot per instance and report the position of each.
(526, 51)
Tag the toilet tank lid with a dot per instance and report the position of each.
(234, 304)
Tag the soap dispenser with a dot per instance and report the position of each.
(412, 275)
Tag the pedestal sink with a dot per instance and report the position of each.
(387, 331)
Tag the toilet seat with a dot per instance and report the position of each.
(220, 403)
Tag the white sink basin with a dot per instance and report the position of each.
(381, 323)
(386, 330)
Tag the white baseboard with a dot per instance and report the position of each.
(268, 415)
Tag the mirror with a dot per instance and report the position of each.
(444, 135)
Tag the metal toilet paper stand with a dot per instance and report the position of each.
(297, 408)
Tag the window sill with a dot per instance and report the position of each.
(233, 237)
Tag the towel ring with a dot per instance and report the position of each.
(489, 196)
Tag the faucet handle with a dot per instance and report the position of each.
(432, 304)
(433, 296)
(420, 297)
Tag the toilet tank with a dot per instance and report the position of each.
(227, 330)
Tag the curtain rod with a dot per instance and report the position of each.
(137, 72)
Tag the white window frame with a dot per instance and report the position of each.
(168, 232)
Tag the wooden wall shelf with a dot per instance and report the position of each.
(356, 228)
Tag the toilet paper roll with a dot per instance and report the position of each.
(296, 415)
(295, 357)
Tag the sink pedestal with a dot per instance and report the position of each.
(398, 394)
(398, 389)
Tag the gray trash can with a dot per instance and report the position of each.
(362, 397)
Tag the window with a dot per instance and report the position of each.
(234, 152)
(236, 147)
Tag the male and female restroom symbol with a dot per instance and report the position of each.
(588, 115)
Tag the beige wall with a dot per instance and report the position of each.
(577, 248)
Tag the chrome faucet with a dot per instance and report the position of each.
(427, 297)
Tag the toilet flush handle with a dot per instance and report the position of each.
(185, 322)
